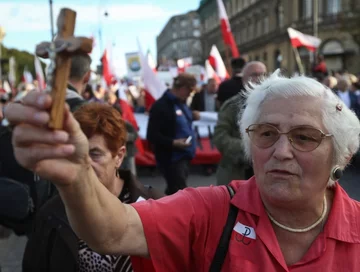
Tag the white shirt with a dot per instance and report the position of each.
(345, 97)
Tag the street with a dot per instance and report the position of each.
(11, 249)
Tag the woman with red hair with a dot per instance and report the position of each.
(53, 246)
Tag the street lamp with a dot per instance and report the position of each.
(2, 35)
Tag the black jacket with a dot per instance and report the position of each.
(53, 246)
(10, 168)
(229, 88)
(162, 128)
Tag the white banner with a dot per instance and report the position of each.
(208, 121)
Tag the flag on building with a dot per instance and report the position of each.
(226, 30)
(299, 39)
(217, 63)
(39, 74)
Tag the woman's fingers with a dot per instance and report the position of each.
(17, 113)
(30, 156)
(24, 135)
(39, 100)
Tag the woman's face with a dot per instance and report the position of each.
(103, 161)
(284, 174)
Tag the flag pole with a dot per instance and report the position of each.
(227, 55)
(298, 60)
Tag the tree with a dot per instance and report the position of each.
(23, 59)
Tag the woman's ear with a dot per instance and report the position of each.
(120, 156)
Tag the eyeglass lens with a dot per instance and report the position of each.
(301, 138)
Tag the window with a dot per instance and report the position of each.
(266, 25)
(174, 35)
(196, 22)
(196, 33)
(279, 14)
(183, 23)
(305, 9)
(333, 6)
(258, 27)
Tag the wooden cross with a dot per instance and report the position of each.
(66, 45)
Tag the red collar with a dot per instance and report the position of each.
(343, 223)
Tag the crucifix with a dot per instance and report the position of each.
(59, 51)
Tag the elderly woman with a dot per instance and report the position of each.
(291, 216)
(53, 246)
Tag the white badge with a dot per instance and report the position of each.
(246, 231)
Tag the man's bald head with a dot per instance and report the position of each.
(253, 71)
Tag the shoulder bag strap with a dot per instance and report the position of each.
(223, 245)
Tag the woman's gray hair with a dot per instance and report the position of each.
(342, 124)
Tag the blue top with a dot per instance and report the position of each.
(183, 129)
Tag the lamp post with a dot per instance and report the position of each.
(2, 35)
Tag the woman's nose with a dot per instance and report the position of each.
(283, 149)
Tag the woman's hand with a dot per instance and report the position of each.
(56, 155)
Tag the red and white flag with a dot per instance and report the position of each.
(210, 73)
(183, 64)
(151, 61)
(27, 76)
(107, 71)
(154, 87)
(226, 30)
(39, 74)
(299, 39)
(217, 63)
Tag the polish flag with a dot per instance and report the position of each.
(226, 30)
(39, 74)
(151, 61)
(183, 64)
(210, 73)
(154, 87)
(107, 71)
(217, 63)
(27, 76)
(299, 39)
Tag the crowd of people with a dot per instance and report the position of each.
(284, 144)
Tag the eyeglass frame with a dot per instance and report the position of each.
(323, 135)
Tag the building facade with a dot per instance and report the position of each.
(180, 38)
(260, 31)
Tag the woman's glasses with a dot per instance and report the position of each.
(302, 138)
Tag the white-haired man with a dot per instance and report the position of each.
(227, 139)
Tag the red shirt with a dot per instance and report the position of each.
(183, 231)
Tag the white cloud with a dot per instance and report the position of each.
(19, 17)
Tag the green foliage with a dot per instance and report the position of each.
(22, 59)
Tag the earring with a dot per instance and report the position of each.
(116, 172)
(336, 173)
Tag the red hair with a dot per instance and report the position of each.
(102, 119)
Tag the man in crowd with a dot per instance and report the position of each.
(231, 87)
(170, 132)
(205, 100)
(349, 98)
(227, 139)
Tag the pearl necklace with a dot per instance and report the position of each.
(305, 229)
